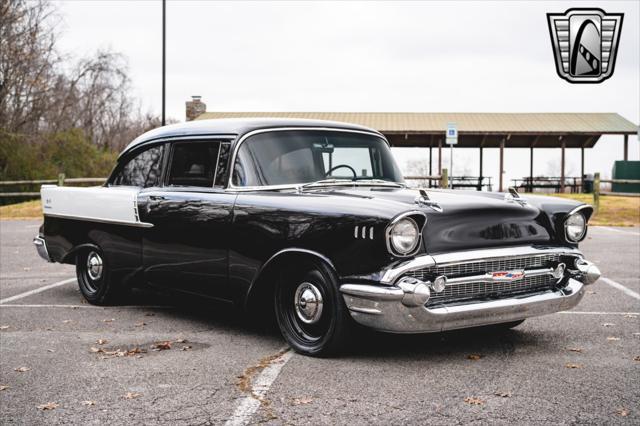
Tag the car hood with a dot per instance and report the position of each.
(471, 219)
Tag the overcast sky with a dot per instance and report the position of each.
(330, 56)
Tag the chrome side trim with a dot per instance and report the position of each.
(387, 313)
(425, 261)
(41, 247)
(230, 184)
(100, 220)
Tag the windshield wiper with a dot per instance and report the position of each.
(382, 181)
(324, 182)
(328, 182)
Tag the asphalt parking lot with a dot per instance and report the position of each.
(164, 360)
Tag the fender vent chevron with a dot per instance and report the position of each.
(363, 232)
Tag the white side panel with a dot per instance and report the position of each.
(99, 204)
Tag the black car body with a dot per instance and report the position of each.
(313, 218)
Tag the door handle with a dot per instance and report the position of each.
(157, 198)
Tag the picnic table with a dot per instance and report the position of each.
(553, 182)
(476, 182)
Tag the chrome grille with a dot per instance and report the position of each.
(478, 290)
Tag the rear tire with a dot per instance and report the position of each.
(94, 278)
(310, 311)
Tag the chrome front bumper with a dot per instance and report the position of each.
(41, 247)
(400, 307)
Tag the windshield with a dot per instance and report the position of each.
(303, 156)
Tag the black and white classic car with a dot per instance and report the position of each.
(312, 220)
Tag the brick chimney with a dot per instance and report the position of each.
(195, 107)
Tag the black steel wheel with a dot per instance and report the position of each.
(311, 314)
(94, 278)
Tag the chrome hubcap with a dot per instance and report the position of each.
(94, 266)
(308, 303)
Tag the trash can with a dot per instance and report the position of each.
(587, 184)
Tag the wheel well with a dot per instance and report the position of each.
(70, 256)
(263, 287)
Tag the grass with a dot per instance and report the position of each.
(22, 211)
(614, 210)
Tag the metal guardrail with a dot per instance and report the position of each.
(61, 181)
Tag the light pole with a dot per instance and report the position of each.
(164, 57)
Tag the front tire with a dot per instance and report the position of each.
(94, 278)
(310, 312)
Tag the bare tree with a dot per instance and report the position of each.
(37, 95)
(27, 63)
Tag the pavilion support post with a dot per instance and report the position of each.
(531, 168)
(626, 147)
(481, 177)
(563, 146)
(501, 165)
(440, 156)
(582, 163)
(430, 161)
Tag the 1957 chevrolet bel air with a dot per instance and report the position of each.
(312, 220)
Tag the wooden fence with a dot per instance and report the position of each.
(61, 181)
(597, 190)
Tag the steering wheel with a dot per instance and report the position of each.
(339, 166)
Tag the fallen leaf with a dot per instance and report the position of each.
(474, 357)
(132, 395)
(3, 387)
(48, 406)
(109, 320)
(636, 334)
(140, 324)
(634, 316)
(88, 403)
(574, 349)
(161, 346)
(623, 412)
(95, 350)
(613, 339)
(302, 401)
(22, 369)
(185, 348)
(591, 292)
(608, 324)
(4, 327)
(101, 341)
(473, 401)
(67, 321)
(50, 350)
(636, 358)
(180, 341)
(570, 365)
(503, 394)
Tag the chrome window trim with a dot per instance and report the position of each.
(230, 184)
(586, 224)
(396, 220)
(444, 259)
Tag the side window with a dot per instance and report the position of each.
(144, 170)
(193, 164)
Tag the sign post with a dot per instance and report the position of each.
(452, 139)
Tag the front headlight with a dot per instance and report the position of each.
(575, 226)
(404, 236)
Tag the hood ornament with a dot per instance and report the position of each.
(423, 200)
(514, 197)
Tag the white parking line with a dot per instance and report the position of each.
(36, 291)
(89, 306)
(619, 230)
(250, 404)
(620, 287)
(598, 313)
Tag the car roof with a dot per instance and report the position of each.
(235, 128)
